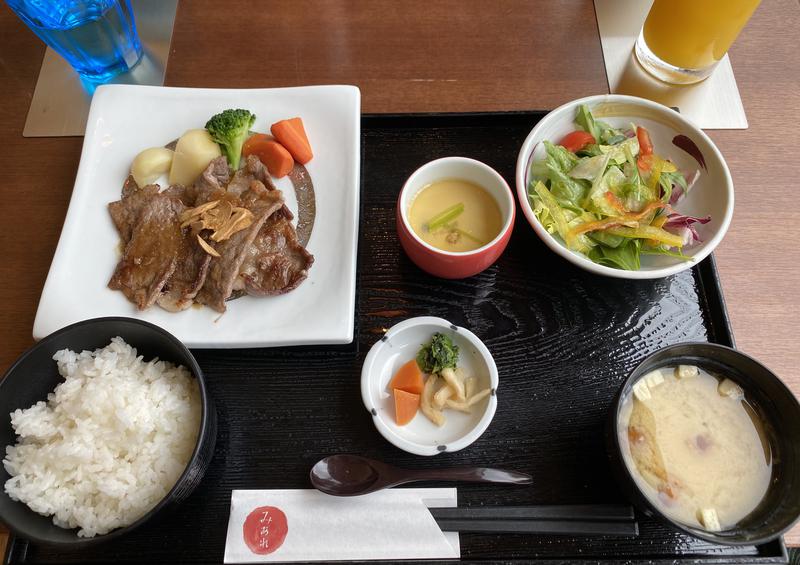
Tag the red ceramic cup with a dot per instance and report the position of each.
(449, 264)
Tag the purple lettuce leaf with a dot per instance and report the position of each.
(683, 225)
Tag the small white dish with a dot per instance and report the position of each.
(421, 436)
(711, 195)
(125, 119)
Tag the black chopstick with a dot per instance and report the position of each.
(557, 527)
(587, 512)
(580, 520)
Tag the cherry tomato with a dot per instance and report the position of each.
(576, 140)
(645, 145)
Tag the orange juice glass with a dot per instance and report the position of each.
(683, 40)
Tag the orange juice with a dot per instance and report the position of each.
(695, 34)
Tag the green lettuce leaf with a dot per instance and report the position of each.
(666, 180)
(556, 216)
(567, 191)
(560, 157)
(634, 193)
(607, 239)
(619, 152)
(625, 256)
(588, 168)
(591, 150)
(586, 121)
(677, 178)
(554, 210)
(650, 250)
(601, 131)
(612, 137)
(611, 180)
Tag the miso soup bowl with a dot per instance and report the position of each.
(774, 403)
(449, 264)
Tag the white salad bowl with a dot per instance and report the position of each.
(421, 436)
(712, 194)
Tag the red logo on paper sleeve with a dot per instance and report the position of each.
(264, 529)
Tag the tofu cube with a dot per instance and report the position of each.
(708, 517)
(653, 379)
(686, 371)
(730, 389)
(641, 391)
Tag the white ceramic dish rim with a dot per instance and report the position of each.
(583, 262)
(413, 447)
(405, 199)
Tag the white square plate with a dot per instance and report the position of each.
(124, 120)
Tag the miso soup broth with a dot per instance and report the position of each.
(695, 446)
(455, 215)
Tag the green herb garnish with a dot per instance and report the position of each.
(440, 353)
(445, 217)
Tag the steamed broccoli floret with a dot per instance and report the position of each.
(230, 129)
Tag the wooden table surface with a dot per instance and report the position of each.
(421, 56)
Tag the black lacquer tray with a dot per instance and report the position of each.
(563, 341)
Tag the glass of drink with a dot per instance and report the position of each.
(97, 37)
(683, 40)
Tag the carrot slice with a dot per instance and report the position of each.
(297, 124)
(277, 159)
(408, 378)
(406, 405)
(292, 135)
(253, 141)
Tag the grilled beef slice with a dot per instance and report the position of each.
(255, 169)
(188, 278)
(193, 262)
(224, 270)
(151, 254)
(125, 212)
(276, 262)
(211, 183)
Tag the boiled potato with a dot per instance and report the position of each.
(194, 151)
(151, 164)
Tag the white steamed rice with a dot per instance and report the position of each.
(110, 441)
